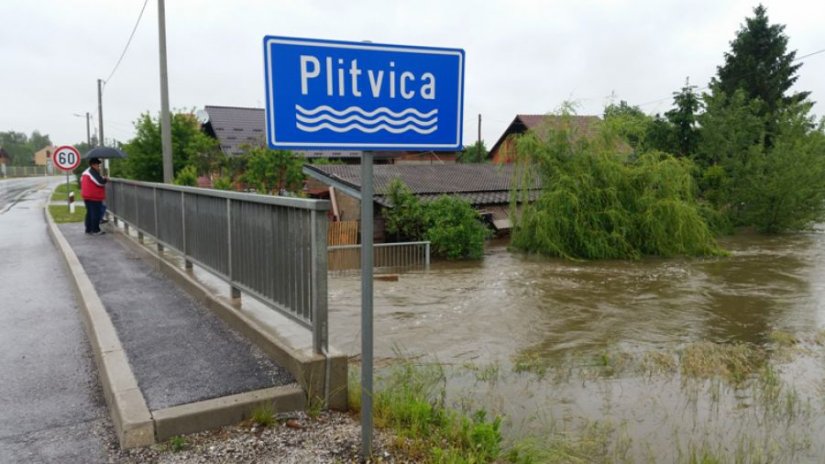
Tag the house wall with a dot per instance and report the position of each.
(43, 157)
(349, 209)
(505, 152)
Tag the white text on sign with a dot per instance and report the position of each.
(338, 77)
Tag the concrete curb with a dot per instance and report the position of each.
(209, 414)
(127, 406)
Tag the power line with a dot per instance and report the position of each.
(128, 42)
(810, 54)
(700, 89)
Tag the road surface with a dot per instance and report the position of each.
(51, 407)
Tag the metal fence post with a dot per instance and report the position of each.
(157, 229)
(318, 283)
(186, 261)
(234, 292)
(427, 257)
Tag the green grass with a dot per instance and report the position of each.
(264, 415)
(177, 443)
(60, 192)
(61, 215)
(410, 402)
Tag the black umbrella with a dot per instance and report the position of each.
(103, 152)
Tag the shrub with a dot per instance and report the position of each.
(450, 224)
(187, 176)
(454, 229)
(222, 183)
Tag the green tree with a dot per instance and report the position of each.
(761, 66)
(683, 117)
(629, 122)
(596, 204)
(21, 148)
(145, 159)
(641, 131)
(273, 171)
(789, 183)
(37, 141)
(475, 153)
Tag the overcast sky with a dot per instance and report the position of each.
(523, 56)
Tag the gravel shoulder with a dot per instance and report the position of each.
(332, 437)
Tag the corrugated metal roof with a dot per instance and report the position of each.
(477, 183)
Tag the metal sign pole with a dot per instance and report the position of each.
(68, 193)
(366, 305)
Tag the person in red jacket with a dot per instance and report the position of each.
(93, 191)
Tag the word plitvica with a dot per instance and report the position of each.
(341, 79)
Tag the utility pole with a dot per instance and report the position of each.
(478, 142)
(165, 123)
(100, 110)
(88, 131)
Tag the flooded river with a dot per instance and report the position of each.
(562, 349)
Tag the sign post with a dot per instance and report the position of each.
(334, 95)
(67, 158)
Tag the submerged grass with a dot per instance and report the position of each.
(409, 400)
(733, 363)
(725, 385)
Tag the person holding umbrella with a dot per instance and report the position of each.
(103, 153)
(93, 190)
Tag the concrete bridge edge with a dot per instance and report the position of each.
(135, 425)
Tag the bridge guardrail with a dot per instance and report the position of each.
(272, 248)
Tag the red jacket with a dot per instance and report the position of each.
(92, 185)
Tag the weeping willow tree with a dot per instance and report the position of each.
(599, 203)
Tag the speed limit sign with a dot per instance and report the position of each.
(66, 157)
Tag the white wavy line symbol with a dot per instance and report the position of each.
(356, 118)
(357, 109)
(368, 130)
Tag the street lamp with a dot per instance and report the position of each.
(88, 131)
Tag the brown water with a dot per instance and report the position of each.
(481, 317)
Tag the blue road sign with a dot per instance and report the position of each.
(332, 95)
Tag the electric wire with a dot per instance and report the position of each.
(128, 42)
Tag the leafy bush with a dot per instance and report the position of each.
(222, 183)
(406, 220)
(450, 224)
(187, 176)
(454, 229)
(273, 171)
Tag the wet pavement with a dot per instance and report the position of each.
(51, 406)
(179, 351)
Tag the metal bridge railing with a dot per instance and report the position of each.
(386, 256)
(272, 248)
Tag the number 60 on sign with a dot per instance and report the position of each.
(66, 158)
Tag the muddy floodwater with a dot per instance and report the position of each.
(619, 361)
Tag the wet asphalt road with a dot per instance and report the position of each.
(51, 406)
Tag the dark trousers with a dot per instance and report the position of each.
(94, 213)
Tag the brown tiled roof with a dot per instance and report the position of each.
(542, 123)
(479, 184)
